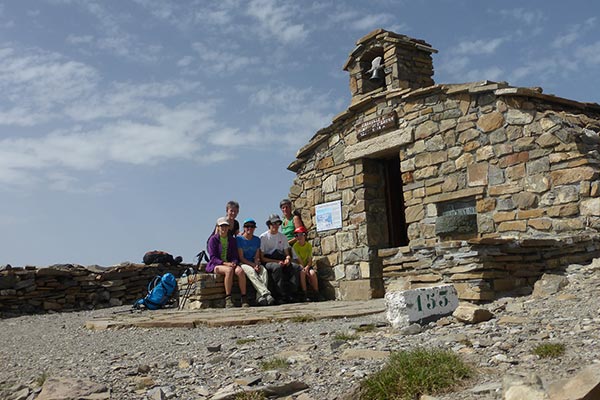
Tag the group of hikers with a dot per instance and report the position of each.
(281, 253)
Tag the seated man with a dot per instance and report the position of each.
(276, 255)
(249, 252)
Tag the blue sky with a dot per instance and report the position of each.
(126, 125)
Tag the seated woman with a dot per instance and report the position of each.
(223, 253)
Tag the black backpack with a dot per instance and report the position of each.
(161, 257)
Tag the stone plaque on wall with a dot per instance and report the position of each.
(376, 125)
(456, 217)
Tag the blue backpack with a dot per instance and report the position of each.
(160, 290)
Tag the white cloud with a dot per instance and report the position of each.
(370, 22)
(174, 133)
(135, 125)
(185, 61)
(589, 54)
(573, 33)
(343, 16)
(63, 182)
(139, 100)
(459, 61)
(218, 61)
(160, 9)
(544, 68)
(221, 17)
(111, 37)
(197, 13)
(291, 116)
(475, 47)
(492, 73)
(77, 40)
(35, 83)
(276, 20)
(528, 17)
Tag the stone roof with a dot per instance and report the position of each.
(360, 103)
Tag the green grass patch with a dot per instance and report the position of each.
(410, 374)
(40, 379)
(274, 363)
(549, 350)
(303, 318)
(240, 342)
(365, 328)
(250, 396)
(345, 337)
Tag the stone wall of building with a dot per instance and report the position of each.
(485, 269)
(529, 164)
(531, 169)
(70, 287)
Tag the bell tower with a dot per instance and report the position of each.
(384, 60)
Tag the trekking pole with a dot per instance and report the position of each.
(190, 271)
(191, 279)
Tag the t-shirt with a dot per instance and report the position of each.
(269, 242)
(236, 228)
(224, 245)
(302, 253)
(287, 227)
(248, 246)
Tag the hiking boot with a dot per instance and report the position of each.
(302, 297)
(229, 302)
(318, 298)
(245, 302)
(263, 301)
(270, 300)
(279, 301)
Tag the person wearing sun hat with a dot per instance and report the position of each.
(223, 260)
(276, 255)
(249, 255)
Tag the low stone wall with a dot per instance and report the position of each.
(68, 287)
(484, 269)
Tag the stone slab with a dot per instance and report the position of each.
(171, 318)
(407, 306)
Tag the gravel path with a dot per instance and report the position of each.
(131, 362)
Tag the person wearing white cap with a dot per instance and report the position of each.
(223, 260)
(249, 253)
(276, 255)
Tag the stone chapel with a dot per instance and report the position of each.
(483, 185)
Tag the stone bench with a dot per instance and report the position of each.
(207, 290)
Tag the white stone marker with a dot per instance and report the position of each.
(407, 306)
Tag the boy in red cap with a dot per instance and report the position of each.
(303, 255)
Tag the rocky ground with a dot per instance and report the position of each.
(141, 363)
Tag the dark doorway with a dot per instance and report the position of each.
(395, 203)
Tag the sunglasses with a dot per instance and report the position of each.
(299, 234)
(250, 226)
